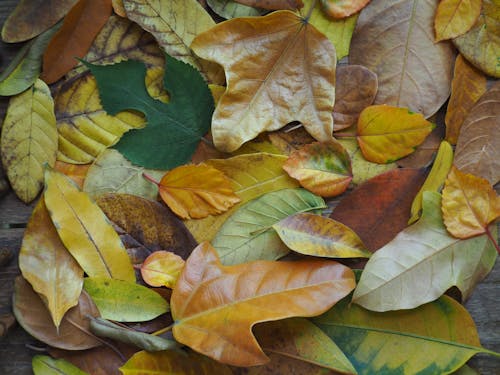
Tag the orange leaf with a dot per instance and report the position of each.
(77, 172)
(273, 4)
(162, 268)
(343, 8)
(215, 306)
(74, 38)
(196, 191)
(469, 204)
(455, 17)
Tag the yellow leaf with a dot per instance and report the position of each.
(29, 140)
(85, 230)
(455, 17)
(162, 268)
(77, 172)
(196, 191)
(119, 8)
(387, 133)
(215, 306)
(469, 204)
(269, 69)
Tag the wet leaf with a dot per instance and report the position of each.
(469, 204)
(85, 231)
(259, 95)
(44, 365)
(379, 208)
(426, 252)
(29, 140)
(60, 284)
(413, 71)
(322, 168)
(232, 9)
(273, 4)
(386, 133)
(455, 17)
(248, 235)
(73, 332)
(343, 8)
(281, 289)
(162, 268)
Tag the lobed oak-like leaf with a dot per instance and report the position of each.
(215, 306)
(343, 8)
(455, 17)
(162, 268)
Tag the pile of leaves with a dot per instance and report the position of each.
(185, 163)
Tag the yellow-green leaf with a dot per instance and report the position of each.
(232, 9)
(29, 140)
(387, 133)
(85, 230)
(455, 17)
(162, 268)
(45, 365)
(124, 301)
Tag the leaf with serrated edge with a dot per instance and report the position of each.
(248, 235)
(29, 140)
(424, 251)
(43, 364)
(455, 17)
(215, 306)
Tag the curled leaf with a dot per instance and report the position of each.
(162, 268)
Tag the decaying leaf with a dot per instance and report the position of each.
(243, 295)
(455, 17)
(43, 365)
(29, 140)
(162, 268)
(232, 9)
(343, 8)
(266, 56)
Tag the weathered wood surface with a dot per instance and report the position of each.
(16, 349)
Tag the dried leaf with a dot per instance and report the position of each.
(81, 25)
(29, 140)
(248, 235)
(468, 85)
(413, 71)
(84, 230)
(379, 209)
(469, 204)
(162, 268)
(60, 284)
(455, 17)
(478, 145)
(77, 172)
(322, 168)
(221, 327)
(267, 54)
(44, 365)
(319, 236)
(343, 8)
(73, 332)
(273, 4)
(231, 9)
(119, 8)
(388, 133)
(424, 153)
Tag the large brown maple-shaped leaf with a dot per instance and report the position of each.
(279, 69)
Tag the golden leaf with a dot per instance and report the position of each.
(455, 17)
(162, 268)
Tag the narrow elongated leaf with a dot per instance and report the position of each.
(436, 338)
(61, 282)
(248, 234)
(216, 318)
(426, 252)
(232, 9)
(29, 140)
(455, 17)
(85, 231)
(162, 268)
(45, 365)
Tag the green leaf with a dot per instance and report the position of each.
(124, 301)
(248, 235)
(173, 130)
(427, 253)
(436, 338)
(44, 365)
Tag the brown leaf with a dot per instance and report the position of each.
(379, 208)
(424, 153)
(273, 4)
(6, 322)
(478, 145)
(74, 38)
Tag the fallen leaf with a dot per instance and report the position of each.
(81, 25)
(424, 154)
(281, 289)
(322, 168)
(248, 235)
(196, 191)
(481, 44)
(60, 284)
(468, 85)
(267, 54)
(43, 364)
(413, 71)
(425, 252)
(32, 17)
(119, 8)
(273, 4)
(469, 204)
(84, 230)
(379, 208)
(162, 268)
(319, 236)
(356, 88)
(29, 140)
(436, 338)
(386, 133)
(77, 172)
(174, 25)
(455, 17)
(7, 321)
(478, 145)
(174, 129)
(73, 332)
(231, 9)
(343, 8)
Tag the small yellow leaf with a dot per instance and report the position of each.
(196, 191)
(343, 8)
(162, 268)
(455, 17)
(469, 204)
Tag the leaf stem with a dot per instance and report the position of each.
(164, 330)
(490, 236)
(150, 179)
(309, 11)
(344, 135)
